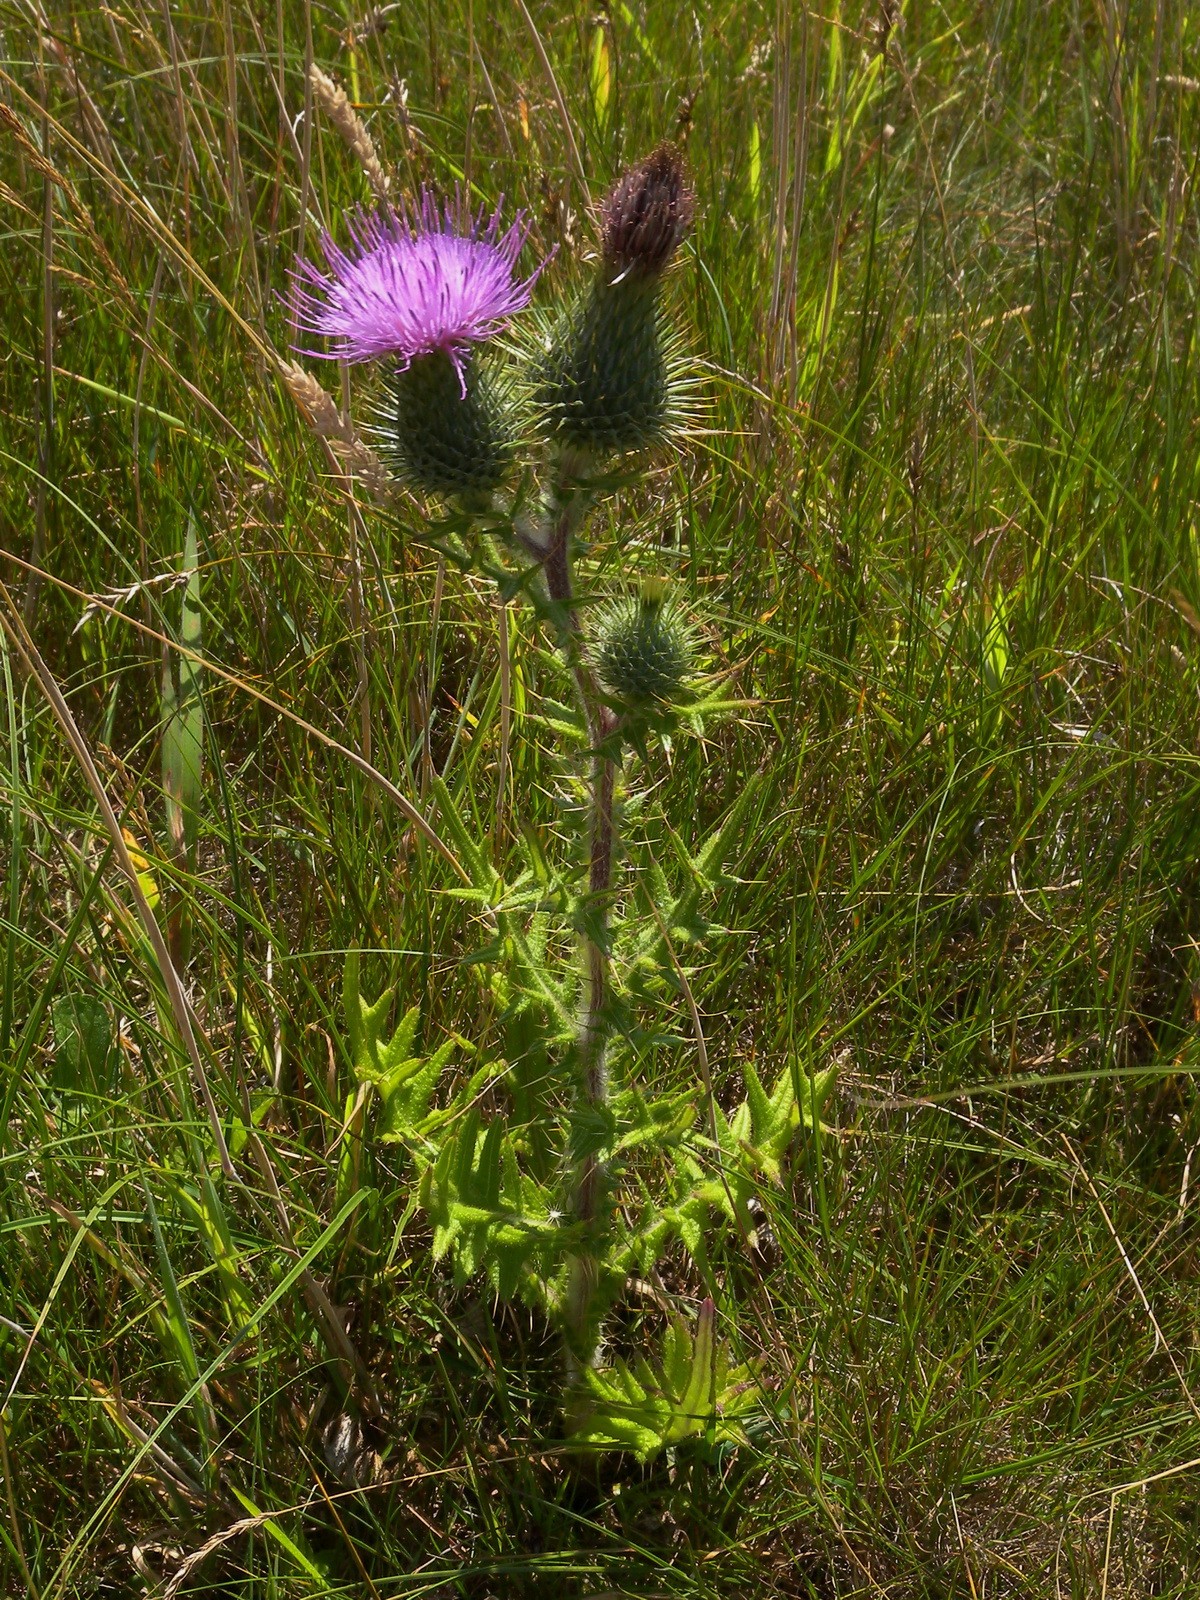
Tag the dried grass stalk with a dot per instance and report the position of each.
(366, 466)
(319, 405)
(333, 101)
(326, 421)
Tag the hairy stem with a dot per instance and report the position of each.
(583, 1322)
(556, 566)
(593, 1014)
(592, 1089)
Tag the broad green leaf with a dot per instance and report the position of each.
(141, 865)
(600, 74)
(183, 745)
(83, 1044)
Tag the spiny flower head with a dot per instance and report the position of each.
(645, 650)
(647, 214)
(415, 281)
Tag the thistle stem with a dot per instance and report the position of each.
(591, 1038)
(556, 565)
(593, 1017)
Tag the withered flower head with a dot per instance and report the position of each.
(648, 213)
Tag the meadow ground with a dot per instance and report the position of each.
(940, 532)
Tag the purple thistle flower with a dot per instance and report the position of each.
(415, 281)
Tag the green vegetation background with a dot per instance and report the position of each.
(943, 534)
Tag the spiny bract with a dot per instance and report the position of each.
(648, 213)
(610, 378)
(604, 384)
(447, 439)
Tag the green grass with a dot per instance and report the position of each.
(943, 534)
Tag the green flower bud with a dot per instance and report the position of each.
(449, 434)
(645, 650)
(604, 386)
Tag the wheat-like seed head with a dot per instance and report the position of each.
(325, 420)
(319, 405)
(336, 106)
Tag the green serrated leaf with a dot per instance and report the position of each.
(690, 1392)
(815, 1089)
(600, 74)
(491, 1217)
(484, 879)
(760, 1106)
(407, 1094)
(712, 853)
(661, 1122)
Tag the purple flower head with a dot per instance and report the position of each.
(415, 281)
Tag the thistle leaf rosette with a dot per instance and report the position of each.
(692, 1393)
(424, 286)
(611, 377)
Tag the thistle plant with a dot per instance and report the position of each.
(588, 1177)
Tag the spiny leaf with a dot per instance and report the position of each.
(484, 879)
(690, 1392)
(489, 1215)
(406, 1093)
(662, 1122)
(762, 1109)
(375, 1060)
(403, 1080)
(713, 852)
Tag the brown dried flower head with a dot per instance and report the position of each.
(648, 213)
